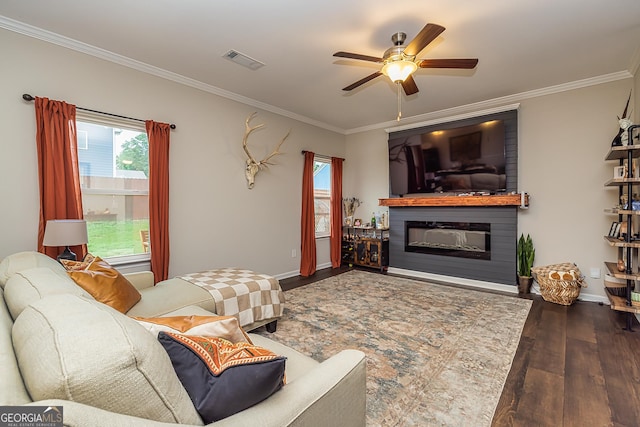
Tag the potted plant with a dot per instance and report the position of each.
(526, 253)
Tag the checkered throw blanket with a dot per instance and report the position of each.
(248, 295)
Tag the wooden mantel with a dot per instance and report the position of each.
(453, 200)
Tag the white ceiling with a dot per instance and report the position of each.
(523, 46)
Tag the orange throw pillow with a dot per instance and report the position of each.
(106, 285)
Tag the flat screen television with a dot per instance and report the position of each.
(450, 159)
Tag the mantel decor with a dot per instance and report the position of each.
(452, 200)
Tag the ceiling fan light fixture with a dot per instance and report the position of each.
(399, 70)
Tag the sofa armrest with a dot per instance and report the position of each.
(141, 279)
(331, 394)
(76, 414)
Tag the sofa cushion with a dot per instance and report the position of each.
(226, 327)
(19, 261)
(33, 284)
(81, 350)
(170, 295)
(106, 285)
(223, 378)
(12, 389)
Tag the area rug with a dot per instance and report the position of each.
(436, 355)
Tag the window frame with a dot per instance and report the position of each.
(327, 163)
(96, 118)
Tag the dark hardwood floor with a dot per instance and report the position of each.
(575, 366)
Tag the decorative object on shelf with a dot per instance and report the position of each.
(624, 125)
(617, 140)
(619, 172)
(357, 222)
(253, 166)
(620, 265)
(612, 230)
(350, 204)
(525, 254)
(65, 232)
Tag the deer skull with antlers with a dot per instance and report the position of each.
(253, 166)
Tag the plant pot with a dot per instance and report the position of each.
(524, 284)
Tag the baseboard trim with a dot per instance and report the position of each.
(512, 289)
(294, 273)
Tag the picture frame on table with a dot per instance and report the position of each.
(619, 172)
(612, 230)
(357, 222)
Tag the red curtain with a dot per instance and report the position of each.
(58, 172)
(159, 135)
(307, 221)
(335, 239)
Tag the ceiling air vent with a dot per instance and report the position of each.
(242, 59)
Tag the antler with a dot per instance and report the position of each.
(265, 161)
(253, 167)
(247, 132)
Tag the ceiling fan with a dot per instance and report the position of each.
(400, 61)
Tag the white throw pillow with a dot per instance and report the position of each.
(81, 350)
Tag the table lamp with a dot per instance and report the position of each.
(65, 232)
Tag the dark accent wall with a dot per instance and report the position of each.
(504, 228)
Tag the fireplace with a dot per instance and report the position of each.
(490, 233)
(455, 239)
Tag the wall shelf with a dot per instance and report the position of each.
(453, 200)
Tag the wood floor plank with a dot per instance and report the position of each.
(512, 391)
(548, 352)
(535, 396)
(585, 395)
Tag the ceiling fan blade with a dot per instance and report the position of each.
(448, 63)
(357, 56)
(409, 86)
(363, 81)
(424, 37)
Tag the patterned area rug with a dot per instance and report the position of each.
(436, 355)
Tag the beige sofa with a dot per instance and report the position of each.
(60, 347)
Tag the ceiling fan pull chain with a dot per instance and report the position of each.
(399, 102)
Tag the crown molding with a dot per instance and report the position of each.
(413, 121)
(470, 110)
(69, 43)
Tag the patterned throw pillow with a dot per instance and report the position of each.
(220, 377)
(106, 285)
(226, 327)
(70, 265)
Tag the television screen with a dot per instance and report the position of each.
(460, 159)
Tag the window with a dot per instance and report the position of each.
(114, 170)
(322, 196)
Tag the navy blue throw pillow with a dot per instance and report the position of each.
(220, 377)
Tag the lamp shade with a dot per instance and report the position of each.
(398, 71)
(65, 232)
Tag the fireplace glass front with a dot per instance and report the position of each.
(457, 239)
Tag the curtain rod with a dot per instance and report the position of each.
(303, 152)
(28, 97)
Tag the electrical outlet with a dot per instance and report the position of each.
(293, 253)
(594, 273)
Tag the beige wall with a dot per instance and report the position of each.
(214, 219)
(563, 139)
